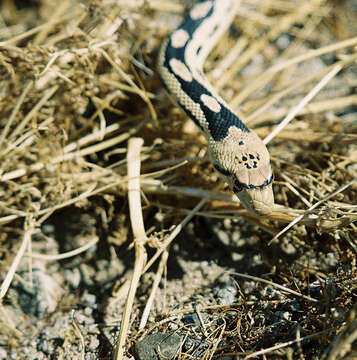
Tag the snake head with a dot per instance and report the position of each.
(242, 159)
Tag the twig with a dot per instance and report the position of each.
(80, 335)
(35, 30)
(137, 224)
(66, 255)
(285, 344)
(15, 263)
(296, 220)
(176, 231)
(303, 102)
(284, 288)
(154, 288)
(15, 111)
(267, 75)
(47, 95)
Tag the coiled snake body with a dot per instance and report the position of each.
(236, 152)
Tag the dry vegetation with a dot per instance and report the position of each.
(84, 117)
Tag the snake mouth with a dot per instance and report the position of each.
(267, 182)
(258, 200)
(261, 208)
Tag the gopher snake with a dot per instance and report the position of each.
(236, 152)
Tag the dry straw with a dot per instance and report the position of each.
(84, 119)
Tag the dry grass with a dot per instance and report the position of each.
(79, 85)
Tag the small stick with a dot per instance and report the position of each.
(47, 95)
(285, 344)
(297, 219)
(15, 111)
(303, 103)
(35, 30)
(137, 224)
(68, 254)
(284, 288)
(260, 81)
(10, 274)
(176, 231)
(155, 286)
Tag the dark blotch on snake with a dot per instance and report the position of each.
(218, 122)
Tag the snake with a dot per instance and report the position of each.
(237, 153)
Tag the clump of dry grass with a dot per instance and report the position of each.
(79, 85)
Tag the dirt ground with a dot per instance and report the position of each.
(94, 262)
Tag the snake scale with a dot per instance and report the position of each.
(236, 152)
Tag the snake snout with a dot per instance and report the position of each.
(263, 200)
(260, 201)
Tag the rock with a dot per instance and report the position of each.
(158, 346)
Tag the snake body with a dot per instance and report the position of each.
(236, 152)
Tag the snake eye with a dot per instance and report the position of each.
(221, 170)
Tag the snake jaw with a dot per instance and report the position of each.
(259, 201)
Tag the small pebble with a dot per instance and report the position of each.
(3, 354)
(73, 277)
(227, 295)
